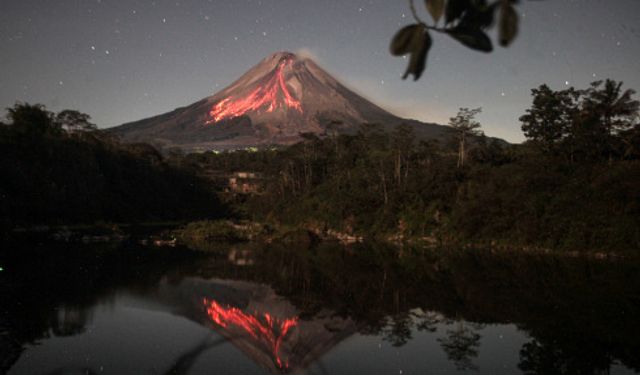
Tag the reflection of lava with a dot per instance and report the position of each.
(262, 329)
(264, 96)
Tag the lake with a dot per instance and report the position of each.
(326, 309)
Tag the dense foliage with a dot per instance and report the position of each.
(574, 185)
(59, 169)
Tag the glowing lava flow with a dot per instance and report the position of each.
(263, 96)
(263, 330)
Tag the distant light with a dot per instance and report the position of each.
(1, 269)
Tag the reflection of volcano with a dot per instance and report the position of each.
(263, 325)
(266, 331)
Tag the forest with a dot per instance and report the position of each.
(59, 169)
(573, 185)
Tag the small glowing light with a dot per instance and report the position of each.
(1, 269)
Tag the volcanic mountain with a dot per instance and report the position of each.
(276, 101)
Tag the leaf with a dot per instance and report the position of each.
(472, 38)
(401, 42)
(479, 16)
(508, 25)
(454, 9)
(435, 8)
(421, 44)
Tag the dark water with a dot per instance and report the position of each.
(88, 309)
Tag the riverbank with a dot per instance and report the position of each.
(202, 234)
(213, 235)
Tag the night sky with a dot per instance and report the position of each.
(121, 61)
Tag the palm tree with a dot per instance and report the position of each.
(615, 109)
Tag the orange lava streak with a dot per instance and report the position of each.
(264, 96)
(263, 330)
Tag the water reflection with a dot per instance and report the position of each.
(328, 309)
(461, 345)
(265, 332)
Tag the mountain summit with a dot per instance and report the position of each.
(276, 101)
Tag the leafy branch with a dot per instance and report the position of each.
(464, 20)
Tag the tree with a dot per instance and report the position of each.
(74, 121)
(616, 109)
(402, 139)
(465, 126)
(549, 119)
(466, 21)
(613, 109)
(631, 142)
(589, 124)
(32, 120)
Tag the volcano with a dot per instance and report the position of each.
(276, 101)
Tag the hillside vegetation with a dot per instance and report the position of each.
(58, 169)
(575, 184)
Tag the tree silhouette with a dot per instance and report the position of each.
(615, 110)
(548, 121)
(74, 121)
(590, 124)
(465, 126)
(32, 120)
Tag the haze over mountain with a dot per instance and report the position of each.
(276, 101)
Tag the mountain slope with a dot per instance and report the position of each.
(273, 103)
